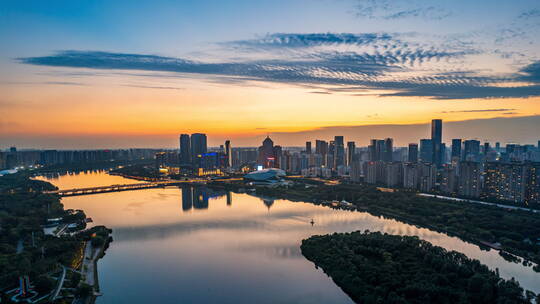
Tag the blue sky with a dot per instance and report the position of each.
(366, 49)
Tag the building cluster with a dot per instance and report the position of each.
(194, 157)
(14, 158)
(468, 169)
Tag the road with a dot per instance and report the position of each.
(479, 202)
(59, 284)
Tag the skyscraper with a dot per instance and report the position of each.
(331, 154)
(198, 144)
(228, 154)
(351, 150)
(308, 147)
(198, 148)
(487, 148)
(505, 181)
(413, 153)
(471, 150)
(266, 154)
(372, 149)
(456, 148)
(436, 139)
(339, 152)
(426, 150)
(321, 147)
(388, 150)
(469, 179)
(185, 149)
(380, 148)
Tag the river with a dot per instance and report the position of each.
(198, 245)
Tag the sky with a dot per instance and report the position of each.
(119, 74)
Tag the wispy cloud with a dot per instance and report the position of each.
(479, 110)
(393, 65)
(533, 13)
(397, 9)
(316, 39)
(151, 87)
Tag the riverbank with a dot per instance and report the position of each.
(93, 251)
(49, 260)
(517, 232)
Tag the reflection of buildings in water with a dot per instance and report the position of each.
(229, 198)
(198, 197)
(187, 198)
(268, 202)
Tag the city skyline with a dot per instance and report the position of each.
(117, 75)
(402, 135)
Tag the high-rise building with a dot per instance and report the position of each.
(351, 151)
(339, 152)
(456, 148)
(380, 148)
(356, 169)
(487, 148)
(426, 150)
(278, 154)
(372, 150)
(321, 147)
(410, 175)
(394, 174)
(375, 172)
(471, 150)
(228, 154)
(413, 153)
(449, 180)
(505, 181)
(532, 191)
(436, 139)
(469, 179)
(427, 174)
(443, 153)
(185, 149)
(198, 149)
(308, 147)
(388, 149)
(330, 156)
(266, 154)
(198, 144)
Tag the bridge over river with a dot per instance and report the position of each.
(123, 187)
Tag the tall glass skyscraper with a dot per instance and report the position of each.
(413, 153)
(339, 152)
(436, 140)
(198, 149)
(185, 149)
(456, 148)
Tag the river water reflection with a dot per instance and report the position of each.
(198, 245)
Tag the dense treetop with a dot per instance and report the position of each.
(382, 268)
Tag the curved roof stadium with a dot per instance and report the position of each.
(265, 175)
